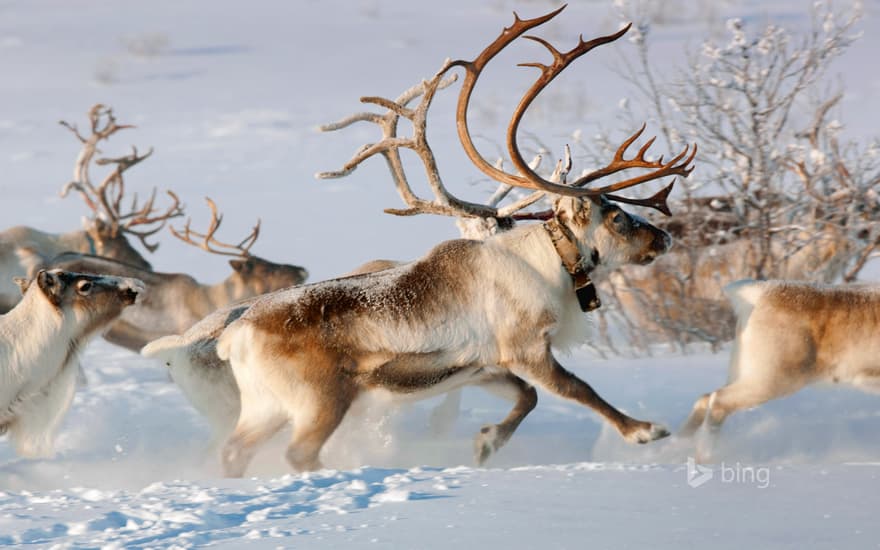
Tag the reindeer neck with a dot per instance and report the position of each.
(44, 322)
(535, 245)
(576, 264)
(532, 244)
(78, 241)
(222, 294)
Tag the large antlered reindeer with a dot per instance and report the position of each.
(469, 312)
(22, 248)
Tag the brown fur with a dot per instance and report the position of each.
(796, 334)
(318, 347)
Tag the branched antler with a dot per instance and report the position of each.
(106, 198)
(447, 204)
(389, 146)
(679, 165)
(207, 241)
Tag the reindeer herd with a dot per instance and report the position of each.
(261, 350)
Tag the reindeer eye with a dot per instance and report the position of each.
(84, 287)
(619, 219)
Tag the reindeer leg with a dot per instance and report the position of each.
(546, 371)
(443, 416)
(697, 416)
(260, 417)
(736, 396)
(39, 416)
(242, 444)
(493, 436)
(311, 430)
(316, 404)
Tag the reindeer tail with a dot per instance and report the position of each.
(163, 348)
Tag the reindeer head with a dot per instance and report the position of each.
(92, 300)
(261, 276)
(609, 235)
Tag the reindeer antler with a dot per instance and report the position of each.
(446, 203)
(106, 198)
(679, 165)
(240, 250)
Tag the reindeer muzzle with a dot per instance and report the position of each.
(131, 291)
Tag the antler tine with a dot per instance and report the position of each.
(657, 201)
(444, 202)
(81, 181)
(250, 239)
(114, 180)
(207, 239)
(559, 175)
(105, 199)
(527, 177)
(472, 73)
(679, 165)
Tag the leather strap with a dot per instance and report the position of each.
(91, 242)
(575, 264)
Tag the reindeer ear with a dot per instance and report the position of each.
(51, 285)
(573, 209)
(23, 284)
(239, 266)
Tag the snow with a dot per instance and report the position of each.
(230, 99)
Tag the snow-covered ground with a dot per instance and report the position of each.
(230, 103)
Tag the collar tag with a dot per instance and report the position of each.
(587, 297)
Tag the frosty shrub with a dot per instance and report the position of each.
(777, 193)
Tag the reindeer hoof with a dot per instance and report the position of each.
(487, 442)
(646, 432)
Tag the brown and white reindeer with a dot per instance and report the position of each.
(790, 335)
(469, 312)
(22, 248)
(39, 341)
(208, 382)
(176, 301)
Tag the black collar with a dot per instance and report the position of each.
(575, 264)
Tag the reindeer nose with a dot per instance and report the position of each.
(129, 295)
(130, 290)
(662, 242)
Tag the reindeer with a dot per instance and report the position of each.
(39, 342)
(23, 248)
(177, 301)
(207, 381)
(469, 312)
(790, 335)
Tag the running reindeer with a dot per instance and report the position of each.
(176, 301)
(23, 248)
(39, 342)
(790, 335)
(469, 312)
(208, 382)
